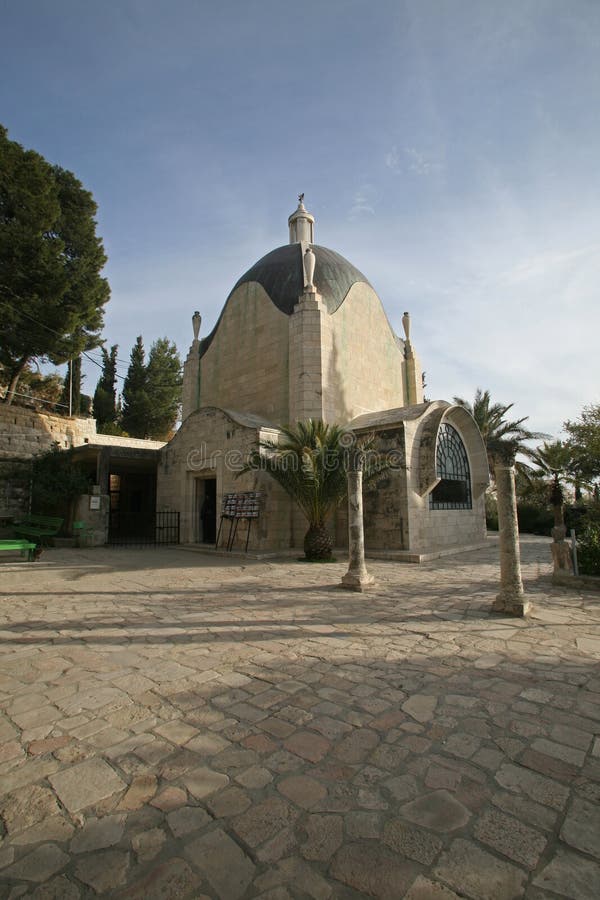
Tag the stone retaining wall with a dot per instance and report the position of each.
(25, 433)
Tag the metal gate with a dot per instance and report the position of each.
(142, 530)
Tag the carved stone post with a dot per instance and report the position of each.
(511, 600)
(356, 578)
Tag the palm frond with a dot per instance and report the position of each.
(504, 438)
(310, 462)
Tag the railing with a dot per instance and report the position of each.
(141, 529)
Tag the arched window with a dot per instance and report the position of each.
(452, 468)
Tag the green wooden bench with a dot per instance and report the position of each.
(40, 527)
(25, 547)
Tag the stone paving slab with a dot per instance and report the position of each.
(175, 725)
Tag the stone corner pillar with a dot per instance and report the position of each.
(562, 557)
(190, 391)
(356, 578)
(306, 358)
(511, 600)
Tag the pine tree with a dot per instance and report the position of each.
(105, 395)
(51, 292)
(135, 417)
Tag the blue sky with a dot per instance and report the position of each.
(449, 148)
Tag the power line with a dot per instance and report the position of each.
(37, 399)
(85, 353)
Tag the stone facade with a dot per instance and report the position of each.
(398, 517)
(312, 363)
(213, 444)
(301, 335)
(245, 366)
(363, 362)
(304, 335)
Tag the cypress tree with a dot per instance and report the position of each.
(135, 417)
(105, 395)
(164, 388)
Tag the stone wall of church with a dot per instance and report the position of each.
(246, 366)
(385, 500)
(210, 444)
(397, 516)
(310, 364)
(441, 529)
(362, 360)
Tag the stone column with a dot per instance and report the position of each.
(356, 578)
(511, 600)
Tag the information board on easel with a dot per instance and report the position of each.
(236, 507)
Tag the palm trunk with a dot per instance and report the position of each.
(556, 497)
(318, 543)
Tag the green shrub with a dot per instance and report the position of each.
(534, 519)
(576, 517)
(56, 480)
(588, 549)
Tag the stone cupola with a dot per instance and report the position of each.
(301, 224)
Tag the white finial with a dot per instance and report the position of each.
(196, 322)
(309, 261)
(406, 325)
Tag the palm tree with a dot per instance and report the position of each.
(502, 437)
(554, 462)
(311, 463)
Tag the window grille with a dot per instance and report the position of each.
(452, 468)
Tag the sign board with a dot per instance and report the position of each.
(243, 505)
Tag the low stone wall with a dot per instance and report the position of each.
(25, 433)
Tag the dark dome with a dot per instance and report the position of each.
(280, 273)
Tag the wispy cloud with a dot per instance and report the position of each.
(362, 202)
(547, 264)
(412, 160)
(393, 160)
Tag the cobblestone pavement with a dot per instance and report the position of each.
(174, 725)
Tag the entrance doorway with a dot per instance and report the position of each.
(206, 510)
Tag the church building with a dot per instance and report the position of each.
(303, 335)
